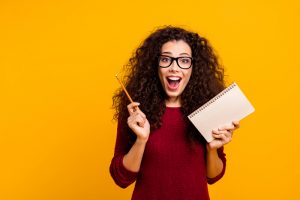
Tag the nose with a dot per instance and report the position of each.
(174, 66)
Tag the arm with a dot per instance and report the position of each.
(121, 175)
(127, 160)
(132, 160)
(139, 124)
(214, 164)
(215, 157)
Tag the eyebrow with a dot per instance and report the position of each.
(168, 52)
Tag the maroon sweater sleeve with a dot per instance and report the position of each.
(222, 156)
(122, 176)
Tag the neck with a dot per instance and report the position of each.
(173, 102)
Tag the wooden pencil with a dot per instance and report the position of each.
(124, 89)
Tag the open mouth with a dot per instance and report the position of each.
(173, 82)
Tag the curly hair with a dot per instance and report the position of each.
(144, 86)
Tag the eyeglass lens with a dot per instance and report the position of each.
(182, 62)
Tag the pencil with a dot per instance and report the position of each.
(124, 89)
(135, 107)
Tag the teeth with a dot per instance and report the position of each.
(174, 78)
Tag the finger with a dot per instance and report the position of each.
(229, 135)
(132, 107)
(135, 124)
(218, 136)
(227, 127)
(218, 132)
(140, 113)
(131, 120)
(226, 133)
(135, 121)
(236, 124)
(138, 118)
(224, 138)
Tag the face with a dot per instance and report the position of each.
(173, 78)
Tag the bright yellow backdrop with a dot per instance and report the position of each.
(57, 65)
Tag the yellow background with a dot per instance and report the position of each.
(57, 65)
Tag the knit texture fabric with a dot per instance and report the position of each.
(171, 167)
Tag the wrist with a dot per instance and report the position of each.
(210, 150)
(140, 140)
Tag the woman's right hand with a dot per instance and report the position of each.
(138, 122)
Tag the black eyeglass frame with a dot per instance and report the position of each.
(176, 59)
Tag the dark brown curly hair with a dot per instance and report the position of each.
(144, 86)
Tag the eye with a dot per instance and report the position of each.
(165, 59)
(185, 60)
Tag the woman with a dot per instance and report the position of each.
(170, 75)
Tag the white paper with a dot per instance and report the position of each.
(229, 105)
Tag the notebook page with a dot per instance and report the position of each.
(231, 104)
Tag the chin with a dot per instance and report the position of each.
(173, 94)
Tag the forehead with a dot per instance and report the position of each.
(176, 47)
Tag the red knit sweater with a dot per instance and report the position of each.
(171, 168)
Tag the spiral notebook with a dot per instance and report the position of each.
(229, 105)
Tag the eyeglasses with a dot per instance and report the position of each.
(182, 62)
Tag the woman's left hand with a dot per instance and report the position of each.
(223, 135)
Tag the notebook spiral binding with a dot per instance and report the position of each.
(212, 100)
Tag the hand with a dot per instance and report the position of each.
(138, 122)
(222, 135)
